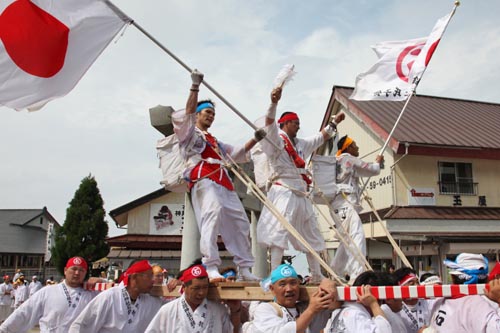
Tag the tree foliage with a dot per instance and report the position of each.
(85, 229)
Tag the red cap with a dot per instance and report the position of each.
(194, 272)
(76, 261)
(138, 267)
(5, 277)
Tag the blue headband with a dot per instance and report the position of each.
(206, 105)
(283, 271)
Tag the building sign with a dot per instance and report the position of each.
(421, 196)
(166, 219)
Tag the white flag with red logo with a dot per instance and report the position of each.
(46, 46)
(399, 68)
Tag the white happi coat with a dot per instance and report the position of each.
(465, 314)
(354, 318)
(217, 209)
(52, 307)
(21, 295)
(417, 316)
(397, 324)
(288, 197)
(267, 320)
(349, 169)
(177, 316)
(34, 287)
(113, 312)
(5, 300)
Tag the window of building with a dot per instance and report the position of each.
(456, 178)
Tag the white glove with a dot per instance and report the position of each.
(196, 77)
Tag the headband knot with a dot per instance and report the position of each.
(138, 267)
(347, 142)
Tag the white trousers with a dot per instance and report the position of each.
(344, 262)
(219, 211)
(298, 211)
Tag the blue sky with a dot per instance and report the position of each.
(102, 126)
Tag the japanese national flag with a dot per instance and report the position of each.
(399, 68)
(48, 45)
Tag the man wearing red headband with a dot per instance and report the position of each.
(290, 183)
(347, 204)
(126, 308)
(193, 312)
(216, 205)
(54, 307)
(416, 313)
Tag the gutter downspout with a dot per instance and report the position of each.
(393, 174)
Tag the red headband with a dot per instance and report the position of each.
(288, 117)
(139, 267)
(407, 278)
(195, 272)
(77, 261)
(495, 272)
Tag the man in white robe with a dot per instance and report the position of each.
(347, 204)
(5, 298)
(34, 285)
(290, 185)
(193, 312)
(285, 315)
(477, 313)
(415, 312)
(54, 307)
(216, 205)
(365, 315)
(126, 308)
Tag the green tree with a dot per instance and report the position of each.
(85, 229)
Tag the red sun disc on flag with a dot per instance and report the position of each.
(406, 59)
(35, 40)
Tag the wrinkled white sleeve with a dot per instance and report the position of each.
(183, 124)
(93, 317)
(26, 316)
(311, 143)
(266, 320)
(272, 136)
(364, 169)
(360, 322)
(237, 153)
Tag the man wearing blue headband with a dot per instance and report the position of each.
(216, 205)
(474, 313)
(284, 314)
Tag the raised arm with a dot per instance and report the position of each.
(331, 128)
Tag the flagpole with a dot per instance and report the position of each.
(179, 61)
(456, 4)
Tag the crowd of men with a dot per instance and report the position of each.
(128, 307)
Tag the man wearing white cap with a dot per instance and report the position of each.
(55, 307)
(34, 285)
(474, 313)
(126, 308)
(284, 314)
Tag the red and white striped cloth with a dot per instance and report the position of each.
(386, 292)
(405, 292)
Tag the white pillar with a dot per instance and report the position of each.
(259, 253)
(190, 235)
